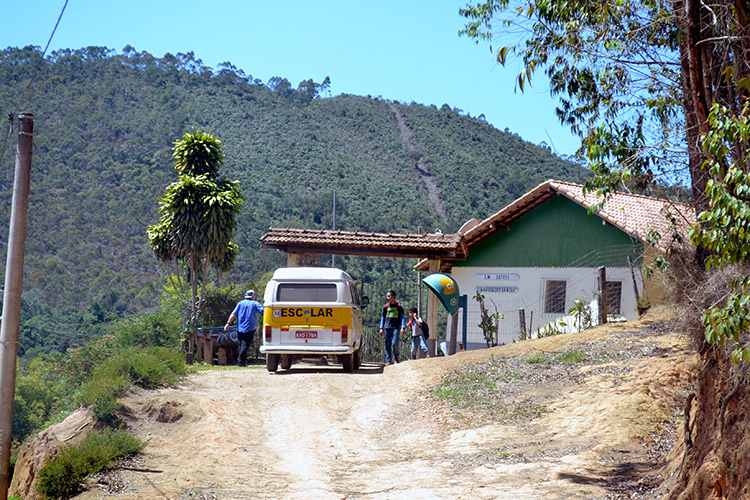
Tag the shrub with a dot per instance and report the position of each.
(41, 396)
(63, 475)
(219, 302)
(81, 359)
(162, 328)
(147, 368)
(101, 393)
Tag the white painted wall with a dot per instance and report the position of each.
(512, 289)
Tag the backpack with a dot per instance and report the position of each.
(425, 330)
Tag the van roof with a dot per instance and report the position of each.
(311, 273)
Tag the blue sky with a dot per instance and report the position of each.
(406, 50)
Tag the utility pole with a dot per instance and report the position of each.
(333, 257)
(12, 297)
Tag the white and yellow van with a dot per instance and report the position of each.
(312, 312)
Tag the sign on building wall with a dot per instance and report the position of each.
(497, 276)
(497, 289)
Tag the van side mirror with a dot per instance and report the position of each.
(365, 301)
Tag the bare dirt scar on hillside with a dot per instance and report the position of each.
(317, 433)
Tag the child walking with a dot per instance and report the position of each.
(417, 337)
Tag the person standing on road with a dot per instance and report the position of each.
(246, 311)
(393, 325)
(417, 335)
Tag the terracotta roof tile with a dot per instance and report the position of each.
(637, 215)
(359, 242)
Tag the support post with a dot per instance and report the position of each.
(292, 260)
(465, 322)
(432, 310)
(522, 322)
(12, 293)
(602, 295)
(454, 334)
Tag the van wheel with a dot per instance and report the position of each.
(286, 362)
(347, 360)
(272, 362)
(357, 359)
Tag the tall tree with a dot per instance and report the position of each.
(198, 214)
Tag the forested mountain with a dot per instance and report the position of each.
(105, 123)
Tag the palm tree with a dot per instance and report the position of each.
(198, 214)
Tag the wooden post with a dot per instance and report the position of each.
(531, 323)
(208, 351)
(602, 295)
(522, 322)
(190, 356)
(11, 317)
(454, 334)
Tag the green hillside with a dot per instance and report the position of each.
(105, 122)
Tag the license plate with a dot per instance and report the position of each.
(305, 335)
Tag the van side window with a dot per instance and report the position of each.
(306, 292)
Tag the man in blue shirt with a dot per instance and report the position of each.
(246, 311)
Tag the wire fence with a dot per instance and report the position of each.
(541, 310)
(407, 293)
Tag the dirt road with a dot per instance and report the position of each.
(315, 432)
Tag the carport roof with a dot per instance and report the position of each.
(429, 245)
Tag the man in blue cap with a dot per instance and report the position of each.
(246, 311)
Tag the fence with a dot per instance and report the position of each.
(538, 301)
(407, 293)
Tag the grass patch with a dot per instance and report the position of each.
(63, 476)
(539, 359)
(509, 375)
(477, 387)
(572, 357)
(464, 389)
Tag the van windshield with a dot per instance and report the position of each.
(306, 292)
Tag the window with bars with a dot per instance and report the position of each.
(614, 297)
(554, 297)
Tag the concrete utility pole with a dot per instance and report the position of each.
(12, 297)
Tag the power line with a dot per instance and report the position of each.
(33, 76)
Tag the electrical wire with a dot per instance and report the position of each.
(33, 76)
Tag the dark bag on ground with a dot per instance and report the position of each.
(425, 329)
